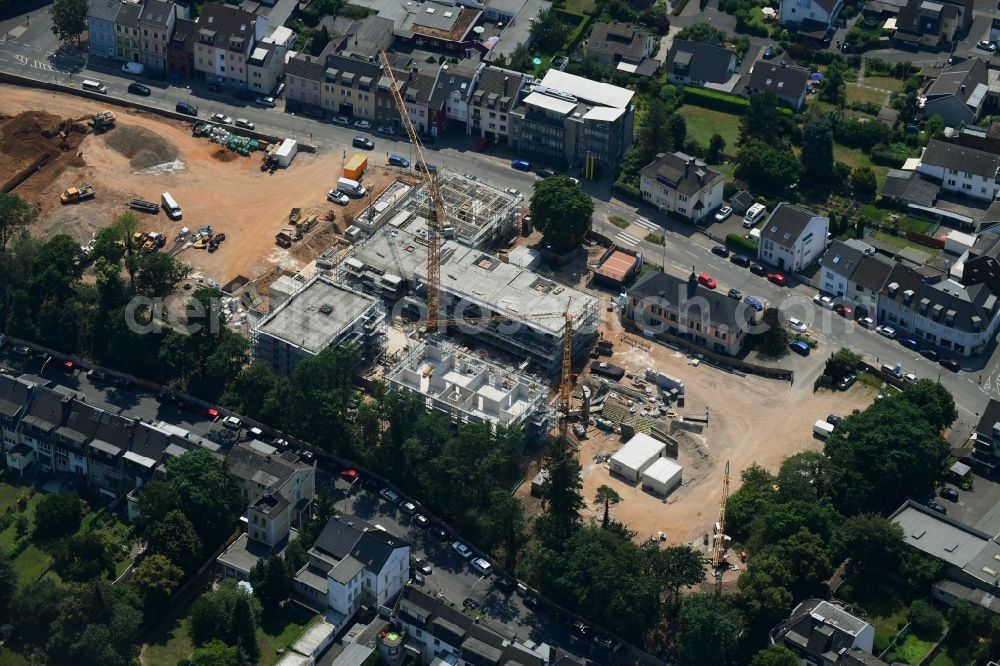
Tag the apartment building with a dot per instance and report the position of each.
(680, 184)
(225, 39)
(958, 94)
(792, 238)
(14, 396)
(101, 15)
(180, 49)
(493, 98)
(333, 83)
(266, 62)
(968, 171)
(156, 26)
(128, 46)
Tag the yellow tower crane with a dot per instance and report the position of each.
(719, 553)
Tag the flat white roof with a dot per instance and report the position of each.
(663, 470)
(605, 113)
(314, 637)
(638, 450)
(601, 93)
(551, 103)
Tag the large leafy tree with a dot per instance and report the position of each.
(708, 630)
(206, 494)
(562, 496)
(96, 625)
(155, 580)
(159, 272)
(57, 515)
(8, 586)
(33, 609)
(507, 525)
(764, 591)
(804, 476)
(215, 653)
(654, 135)
(874, 545)
(548, 32)
(775, 655)
(934, 401)
(841, 363)
(271, 581)
(15, 216)
(69, 19)
(562, 211)
(756, 491)
(817, 150)
(767, 168)
(676, 567)
(765, 122)
(82, 557)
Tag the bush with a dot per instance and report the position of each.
(580, 20)
(925, 621)
(712, 99)
(627, 190)
(678, 7)
(740, 243)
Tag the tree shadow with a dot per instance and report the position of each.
(68, 58)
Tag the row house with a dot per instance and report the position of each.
(495, 96)
(792, 238)
(417, 96)
(127, 42)
(334, 84)
(266, 64)
(14, 396)
(457, 83)
(225, 39)
(962, 170)
(180, 49)
(156, 25)
(101, 16)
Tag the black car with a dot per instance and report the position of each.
(950, 364)
(545, 172)
(846, 382)
(930, 354)
(531, 601)
(439, 532)
(833, 419)
(363, 142)
(607, 642)
(740, 260)
(472, 604)
(950, 494)
(186, 109)
(736, 293)
(757, 269)
(720, 250)
(505, 584)
(940, 508)
(139, 89)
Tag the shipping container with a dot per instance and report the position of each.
(356, 167)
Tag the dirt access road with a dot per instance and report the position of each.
(213, 186)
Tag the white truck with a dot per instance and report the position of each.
(822, 429)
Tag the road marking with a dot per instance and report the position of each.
(647, 225)
(42, 65)
(22, 60)
(628, 239)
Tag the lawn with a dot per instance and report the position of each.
(618, 221)
(8, 658)
(907, 223)
(172, 643)
(860, 94)
(901, 242)
(913, 649)
(582, 6)
(884, 82)
(855, 157)
(873, 212)
(279, 630)
(885, 606)
(702, 123)
(942, 658)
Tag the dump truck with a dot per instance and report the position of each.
(75, 194)
(104, 120)
(356, 167)
(294, 215)
(144, 206)
(283, 240)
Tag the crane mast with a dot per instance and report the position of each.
(720, 534)
(437, 212)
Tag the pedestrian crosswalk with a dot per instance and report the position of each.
(639, 226)
(627, 239)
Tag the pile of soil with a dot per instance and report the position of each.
(142, 147)
(35, 139)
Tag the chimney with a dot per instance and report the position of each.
(506, 80)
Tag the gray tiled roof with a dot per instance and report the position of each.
(822, 630)
(456, 78)
(953, 156)
(104, 10)
(247, 463)
(715, 307)
(681, 172)
(345, 535)
(305, 67)
(786, 224)
(991, 415)
(905, 279)
(962, 308)
(704, 61)
(871, 273)
(155, 13)
(959, 79)
(184, 29)
(47, 408)
(227, 23)
(911, 187)
(841, 259)
(778, 77)
(128, 15)
(617, 39)
(14, 395)
(491, 81)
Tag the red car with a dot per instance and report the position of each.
(483, 144)
(706, 280)
(211, 413)
(68, 367)
(350, 475)
(777, 278)
(843, 310)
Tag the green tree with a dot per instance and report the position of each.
(215, 653)
(654, 133)
(156, 499)
(934, 401)
(764, 590)
(817, 150)
(155, 581)
(773, 340)
(205, 492)
(16, 215)
(781, 520)
(708, 630)
(175, 537)
(507, 526)
(209, 619)
(69, 19)
(926, 621)
(108, 245)
(562, 496)
(271, 581)
(243, 629)
(82, 557)
(548, 32)
(607, 497)
(678, 129)
(765, 122)
(767, 168)
(864, 182)
(833, 90)
(562, 211)
(33, 609)
(57, 515)
(124, 227)
(700, 31)
(676, 567)
(295, 556)
(8, 587)
(873, 544)
(775, 655)
(966, 620)
(96, 626)
(803, 476)
(159, 272)
(842, 363)
(756, 491)
(806, 557)
(934, 128)
(716, 145)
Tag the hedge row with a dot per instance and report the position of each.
(713, 99)
(888, 155)
(678, 7)
(627, 190)
(581, 21)
(740, 243)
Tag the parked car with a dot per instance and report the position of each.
(363, 142)
(950, 494)
(482, 566)
(846, 382)
(986, 45)
(723, 214)
(607, 642)
(423, 566)
(940, 508)
(472, 605)
(363, 124)
(721, 250)
(799, 347)
(706, 280)
(844, 310)
(221, 118)
(245, 124)
(531, 601)
(232, 423)
(464, 551)
(337, 197)
(439, 533)
(278, 89)
(579, 628)
(930, 354)
(409, 508)
(768, 53)
(823, 301)
(139, 89)
(421, 520)
(341, 120)
(22, 350)
(505, 584)
(521, 165)
(886, 331)
(833, 419)
(740, 260)
(754, 302)
(266, 102)
(867, 322)
(389, 495)
(545, 172)
(735, 293)
(97, 375)
(349, 475)
(399, 161)
(797, 325)
(910, 343)
(388, 130)
(757, 269)
(950, 364)
(186, 109)
(777, 278)
(426, 168)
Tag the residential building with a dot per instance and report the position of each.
(795, 13)
(452, 92)
(680, 184)
(614, 43)
(417, 92)
(820, 632)
(15, 394)
(353, 564)
(987, 440)
(981, 262)
(180, 49)
(962, 170)
(496, 93)
(662, 303)
(568, 119)
(866, 282)
(304, 74)
(440, 24)
(276, 487)
(101, 15)
(364, 38)
(320, 315)
(46, 412)
(703, 64)
(926, 23)
(781, 76)
(266, 63)
(337, 84)
(443, 634)
(225, 39)
(156, 25)
(837, 266)
(792, 238)
(959, 93)
(127, 42)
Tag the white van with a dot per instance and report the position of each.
(171, 207)
(754, 215)
(95, 86)
(350, 187)
(133, 68)
(822, 429)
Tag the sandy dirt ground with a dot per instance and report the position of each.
(213, 187)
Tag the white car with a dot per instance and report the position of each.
(887, 331)
(462, 550)
(363, 124)
(797, 325)
(221, 118)
(388, 130)
(867, 322)
(482, 566)
(232, 423)
(723, 214)
(337, 197)
(342, 120)
(823, 301)
(266, 102)
(245, 124)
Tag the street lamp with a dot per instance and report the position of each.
(347, 494)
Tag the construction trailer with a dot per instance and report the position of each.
(356, 167)
(662, 476)
(284, 153)
(636, 456)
